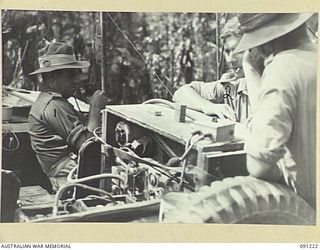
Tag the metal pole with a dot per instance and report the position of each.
(103, 50)
(218, 45)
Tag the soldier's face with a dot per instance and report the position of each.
(233, 60)
(68, 81)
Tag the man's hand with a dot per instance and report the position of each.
(228, 77)
(262, 170)
(98, 100)
(221, 110)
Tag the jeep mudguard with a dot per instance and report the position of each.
(244, 200)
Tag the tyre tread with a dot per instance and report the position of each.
(236, 200)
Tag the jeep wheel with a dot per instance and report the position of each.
(245, 200)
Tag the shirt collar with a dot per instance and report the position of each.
(242, 86)
(305, 46)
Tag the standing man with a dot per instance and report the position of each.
(57, 130)
(282, 132)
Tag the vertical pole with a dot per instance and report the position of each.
(218, 45)
(103, 50)
(107, 153)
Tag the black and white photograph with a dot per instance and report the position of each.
(159, 117)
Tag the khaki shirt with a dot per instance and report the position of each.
(56, 130)
(233, 93)
(283, 126)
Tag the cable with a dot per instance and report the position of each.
(62, 190)
(160, 101)
(83, 145)
(9, 131)
(150, 162)
(98, 176)
(165, 147)
(183, 157)
(75, 99)
(312, 32)
(69, 177)
(175, 169)
(139, 53)
(81, 117)
(166, 103)
(94, 132)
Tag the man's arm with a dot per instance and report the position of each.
(97, 102)
(206, 98)
(271, 125)
(262, 170)
(65, 122)
(61, 117)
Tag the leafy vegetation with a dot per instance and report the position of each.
(149, 55)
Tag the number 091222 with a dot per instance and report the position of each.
(309, 246)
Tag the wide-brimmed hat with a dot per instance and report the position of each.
(260, 28)
(58, 56)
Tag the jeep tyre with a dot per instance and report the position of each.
(244, 200)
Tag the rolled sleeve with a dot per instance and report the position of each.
(66, 123)
(211, 91)
(78, 136)
(272, 122)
